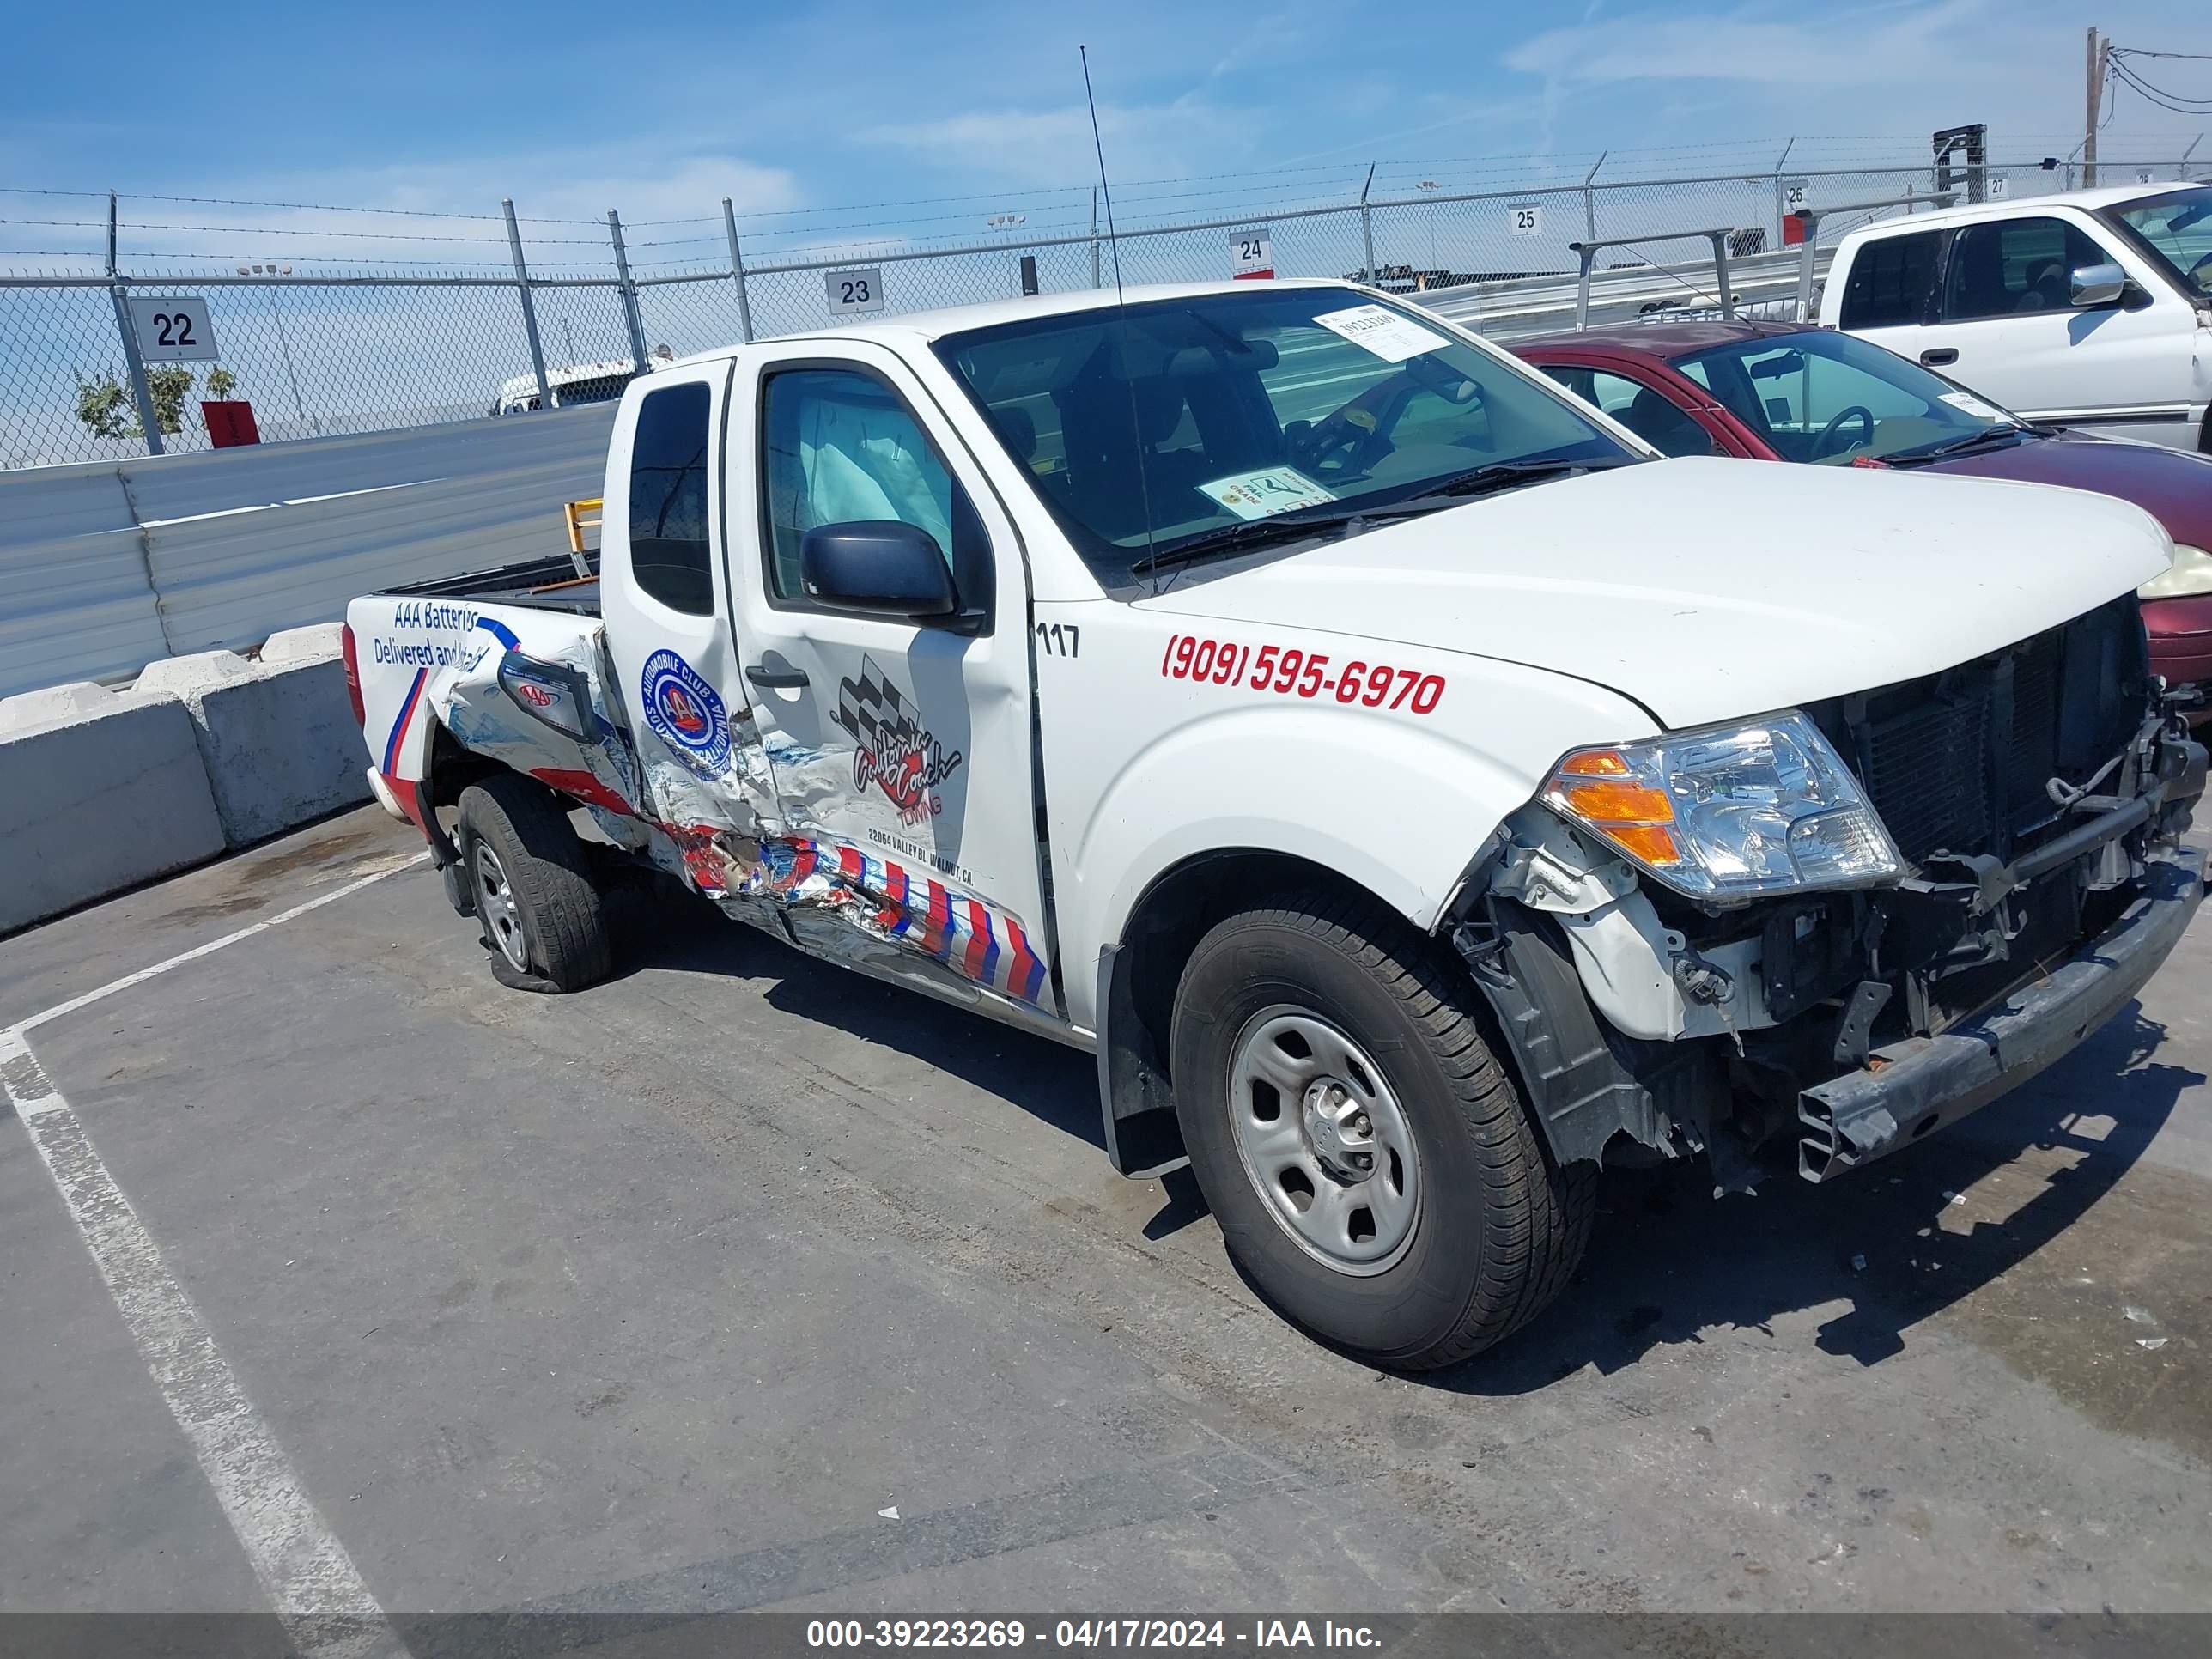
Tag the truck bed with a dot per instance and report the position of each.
(547, 584)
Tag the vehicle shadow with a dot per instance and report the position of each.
(1668, 1261)
(666, 927)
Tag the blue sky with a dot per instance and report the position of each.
(571, 107)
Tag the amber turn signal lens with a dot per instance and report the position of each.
(1620, 803)
(1595, 763)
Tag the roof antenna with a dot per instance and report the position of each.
(1121, 307)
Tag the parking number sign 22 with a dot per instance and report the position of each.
(172, 328)
(853, 291)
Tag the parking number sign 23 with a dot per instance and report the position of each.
(855, 291)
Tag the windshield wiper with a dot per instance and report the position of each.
(1253, 532)
(1970, 441)
(1503, 475)
(1308, 521)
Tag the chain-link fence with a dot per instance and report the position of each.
(380, 332)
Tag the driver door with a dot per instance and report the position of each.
(902, 751)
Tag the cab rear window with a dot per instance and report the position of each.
(1891, 280)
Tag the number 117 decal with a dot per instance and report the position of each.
(1058, 639)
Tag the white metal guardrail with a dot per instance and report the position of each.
(107, 566)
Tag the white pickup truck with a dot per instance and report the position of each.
(1415, 791)
(2092, 308)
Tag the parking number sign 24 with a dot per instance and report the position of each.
(1251, 253)
(851, 291)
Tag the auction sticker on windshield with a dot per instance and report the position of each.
(1270, 490)
(1973, 405)
(1383, 332)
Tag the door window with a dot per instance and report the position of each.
(668, 536)
(841, 447)
(1647, 412)
(2012, 266)
(1891, 280)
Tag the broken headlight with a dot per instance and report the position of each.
(1729, 813)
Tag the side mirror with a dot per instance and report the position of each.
(878, 568)
(2096, 286)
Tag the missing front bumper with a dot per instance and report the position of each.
(1911, 1088)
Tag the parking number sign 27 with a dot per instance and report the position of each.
(854, 291)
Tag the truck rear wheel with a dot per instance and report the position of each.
(532, 887)
(1369, 1162)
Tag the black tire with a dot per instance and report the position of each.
(1498, 1228)
(558, 927)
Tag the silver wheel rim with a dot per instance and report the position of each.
(1324, 1141)
(496, 903)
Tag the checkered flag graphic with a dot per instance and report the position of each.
(870, 708)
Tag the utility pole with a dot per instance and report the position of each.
(2099, 51)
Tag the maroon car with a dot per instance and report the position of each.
(1782, 391)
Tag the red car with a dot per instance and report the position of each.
(1782, 391)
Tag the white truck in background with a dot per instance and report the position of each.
(2090, 309)
(573, 385)
(1385, 765)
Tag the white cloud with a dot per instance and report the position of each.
(1053, 147)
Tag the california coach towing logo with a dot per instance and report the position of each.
(686, 713)
(892, 749)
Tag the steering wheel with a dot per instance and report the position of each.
(1825, 444)
(2201, 274)
(1334, 443)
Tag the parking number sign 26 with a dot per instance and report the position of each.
(854, 291)
(1526, 218)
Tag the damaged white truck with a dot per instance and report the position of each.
(1415, 793)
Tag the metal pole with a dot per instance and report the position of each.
(1590, 198)
(1367, 224)
(2089, 128)
(1095, 281)
(1781, 206)
(1581, 287)
(142, 393)
(1721, 269)
(1812, 221)
(737, 271)
(529, 307)
(629, 294)
(2181, 168)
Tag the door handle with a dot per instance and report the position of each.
(776, 679)
(1937, 356)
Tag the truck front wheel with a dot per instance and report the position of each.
(1369, 1160)
(532, 887)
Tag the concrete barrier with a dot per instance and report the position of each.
(277, 736)
(99, 791)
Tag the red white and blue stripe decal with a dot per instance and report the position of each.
(980, 944)
(399, 726)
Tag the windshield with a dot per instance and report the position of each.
(2177, 231)
(1820, 396)
(1223, 409)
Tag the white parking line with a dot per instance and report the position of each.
(213, 945)
(308, 1577)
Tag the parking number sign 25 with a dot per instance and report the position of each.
(1527, 218)
(853, 291)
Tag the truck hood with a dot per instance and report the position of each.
(1709, 589)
